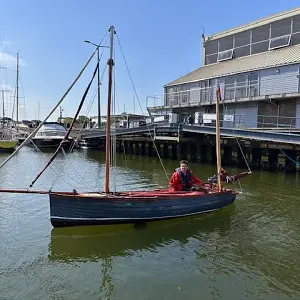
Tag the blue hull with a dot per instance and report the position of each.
(87, 210)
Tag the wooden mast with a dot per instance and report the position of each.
(107, 156)
(218, 149)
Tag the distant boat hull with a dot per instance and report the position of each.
(46, 143)
(97, 209)
(49, 136)
(52, 143)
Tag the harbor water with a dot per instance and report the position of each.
(249, 250)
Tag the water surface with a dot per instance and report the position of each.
(249, 250)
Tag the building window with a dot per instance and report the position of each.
(229, 87)
(279, 42)
(261, 33)
(184, 87)
(296, 24)
(260, 47)
(253, 84)
(211, 59)
(241, 86)
(225, 55)
(252, 77)
(204, 92)
(282, 27)
(242, 51)
(195, 85)
(295, 39)
(226, 43)
(242, 38)
(211, 47)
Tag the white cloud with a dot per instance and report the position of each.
(10, 61)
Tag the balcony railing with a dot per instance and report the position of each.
(263, 122)
(275, 85)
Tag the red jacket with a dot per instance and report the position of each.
(176, 183)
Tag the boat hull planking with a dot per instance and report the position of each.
(76, 210)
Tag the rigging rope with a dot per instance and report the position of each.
(294, 161)
(141, 107)
(238, 141)
(68, 132)
(80, 131)
(56, 106)
(52, 111)
(58, 174)
(219, 95)
(71, 149)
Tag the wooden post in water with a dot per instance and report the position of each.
(107, 148)
(218, 148)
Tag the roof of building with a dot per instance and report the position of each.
(260, 22)
(265, 60)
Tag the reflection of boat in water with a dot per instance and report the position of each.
(91, 243)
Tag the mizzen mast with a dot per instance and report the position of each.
(218, 148)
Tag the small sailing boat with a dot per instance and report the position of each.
(96, 208)
(8, 140)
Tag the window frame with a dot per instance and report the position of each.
(280, 46)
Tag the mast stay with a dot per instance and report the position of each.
(49, 115)
(69, 130)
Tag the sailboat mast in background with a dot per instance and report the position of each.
(17, 119)
(107, 156)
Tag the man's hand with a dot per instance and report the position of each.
(200, 187)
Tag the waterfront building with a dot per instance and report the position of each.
(257, 68)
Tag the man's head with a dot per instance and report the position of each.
(184, 166)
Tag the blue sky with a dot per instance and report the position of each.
(161, 41)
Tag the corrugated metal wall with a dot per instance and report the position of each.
(279, 80)
(251, 112)
(239, 117)
(246, 116)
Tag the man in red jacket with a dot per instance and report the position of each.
(184, 180)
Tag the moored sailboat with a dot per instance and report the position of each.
(96, 208)
(8, 140)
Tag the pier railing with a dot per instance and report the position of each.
(281, 124)
(240, 121)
